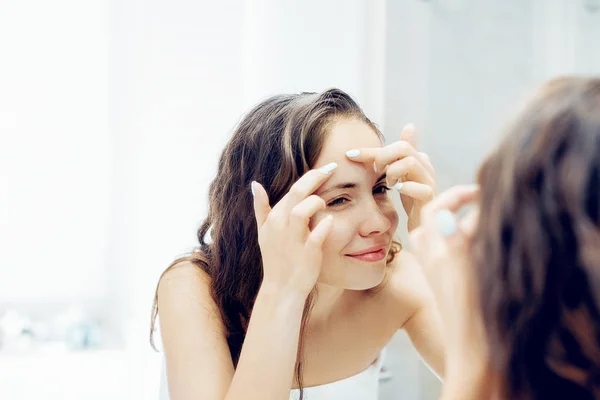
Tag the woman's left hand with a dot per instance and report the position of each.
(408, 171)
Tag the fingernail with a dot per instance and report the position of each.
(252, 188)
(326, 169)
(446, 222)
(353, 153)
(409, 126)
(398, 186)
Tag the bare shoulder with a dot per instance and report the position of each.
(185, 269)
(184, 295)
(406, 287)
(184, 284)
(193, 334)
(185, 276)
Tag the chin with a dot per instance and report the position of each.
(368, 282)
(361, 276)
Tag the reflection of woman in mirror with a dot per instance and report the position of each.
(301, 285)
(517, 280)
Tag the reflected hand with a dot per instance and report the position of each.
(443, 246)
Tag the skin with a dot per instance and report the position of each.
(306, 239)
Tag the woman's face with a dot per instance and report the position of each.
(364, 217)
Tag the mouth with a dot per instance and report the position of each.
(371, 254)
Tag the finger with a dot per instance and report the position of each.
(261, 203)
(393, 152)
(409, 134)
(415, 239)
(397, 151)
(382, 156)
(415, 190)
(364, 154)
(320, 232)
(408, 169)
(424, 158)
(468, 224)
(446, 223)
(450, 232)
(302, 213)
(304, 187)
(452, 200)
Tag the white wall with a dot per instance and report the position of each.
(55, 151)
(176, 95)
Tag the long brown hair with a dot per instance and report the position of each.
(275, 144)
(537, 249)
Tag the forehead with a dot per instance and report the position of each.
(344, 135)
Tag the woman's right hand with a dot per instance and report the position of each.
(442, 243)
(291, 251)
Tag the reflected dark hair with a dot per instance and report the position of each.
(537, 249)
(275, 144)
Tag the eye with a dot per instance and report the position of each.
(337, 202)
(381, 189)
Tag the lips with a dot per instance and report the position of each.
(370, 254)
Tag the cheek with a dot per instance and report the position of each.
(339, 236)
(389, 211)
(341, 233)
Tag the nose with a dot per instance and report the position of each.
(374, 221)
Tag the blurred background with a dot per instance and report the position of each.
(113, 113)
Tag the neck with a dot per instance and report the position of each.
(328, 297)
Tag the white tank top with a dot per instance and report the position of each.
(362, 386)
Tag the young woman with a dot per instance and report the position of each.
(301, 284)
(517, 280)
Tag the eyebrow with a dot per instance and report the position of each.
(348, 185)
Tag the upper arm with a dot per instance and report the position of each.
(199, 364)
(423, 324)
